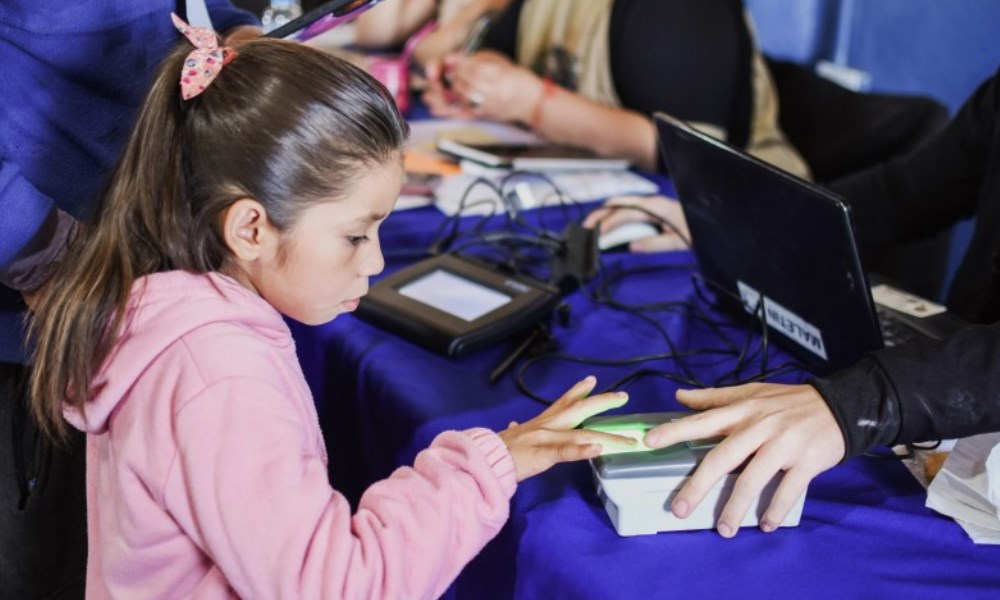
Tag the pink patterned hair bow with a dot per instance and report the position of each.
(203, 64)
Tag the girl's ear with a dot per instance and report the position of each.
(247, 230)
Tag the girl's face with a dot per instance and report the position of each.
(327, 256)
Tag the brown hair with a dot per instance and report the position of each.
(283, 123)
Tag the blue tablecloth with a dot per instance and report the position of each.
(865, 532)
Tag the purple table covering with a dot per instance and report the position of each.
(865, 532)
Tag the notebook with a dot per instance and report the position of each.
(773, 244)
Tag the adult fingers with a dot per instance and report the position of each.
(692, 427)
(714, 397)
(622, 216)
(595, 217)
(754, 478)
(658, 243)
(793, 485)
(718, 463)
(437, 102)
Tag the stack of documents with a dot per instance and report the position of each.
(967, 488)
(533, 192)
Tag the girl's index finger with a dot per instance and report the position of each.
(579, 411)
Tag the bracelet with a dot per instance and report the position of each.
(548, 90)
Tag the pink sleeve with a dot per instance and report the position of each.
(257, 500)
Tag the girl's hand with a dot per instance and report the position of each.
(551, 437)
(782, 427)
(615, 213)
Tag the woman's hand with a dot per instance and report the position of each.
(782, 427)
(485, 85)
(659, 210)
(551, 437)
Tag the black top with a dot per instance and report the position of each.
(953, 176)
(928, 391)
(689, 59)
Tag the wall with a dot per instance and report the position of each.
(941, 48)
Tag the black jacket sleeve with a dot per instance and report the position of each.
(918, 392)
(934, 186)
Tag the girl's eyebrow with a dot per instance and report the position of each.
(372, 218)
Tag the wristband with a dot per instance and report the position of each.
(548, 90)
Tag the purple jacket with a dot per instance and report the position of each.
(73, 75)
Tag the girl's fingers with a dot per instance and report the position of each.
(579, 390)
(571, 414)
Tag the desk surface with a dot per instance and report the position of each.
(865, 532)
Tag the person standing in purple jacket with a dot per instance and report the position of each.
(73, 76)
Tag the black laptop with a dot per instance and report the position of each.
(773, 245)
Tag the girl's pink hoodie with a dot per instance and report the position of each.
(207, 473)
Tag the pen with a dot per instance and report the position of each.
(477, 33)
(473, 40)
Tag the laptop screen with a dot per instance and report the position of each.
(772, 244)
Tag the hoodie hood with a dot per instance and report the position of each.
(163, 308)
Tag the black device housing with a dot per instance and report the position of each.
(384, 306)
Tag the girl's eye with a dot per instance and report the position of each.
(357, 240)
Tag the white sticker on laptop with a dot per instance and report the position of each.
(787, 322)
(896, 299)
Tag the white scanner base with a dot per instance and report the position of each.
(637, 488)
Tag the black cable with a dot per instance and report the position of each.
(521, 247)
(529, 363)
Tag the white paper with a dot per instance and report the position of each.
(577, 186)
(968, 487)
(424, 133)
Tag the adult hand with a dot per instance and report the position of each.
(660, 210)
(551, 437)
(486, 85)
(782, 427)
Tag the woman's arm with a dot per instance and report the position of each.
(935, 185)
(455, 20)
(390, 23)
(487, 85)
(918, 392)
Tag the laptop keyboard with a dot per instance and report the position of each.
(895, 331)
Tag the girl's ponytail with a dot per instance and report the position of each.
(140, 227)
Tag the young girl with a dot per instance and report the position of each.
(253, 185)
